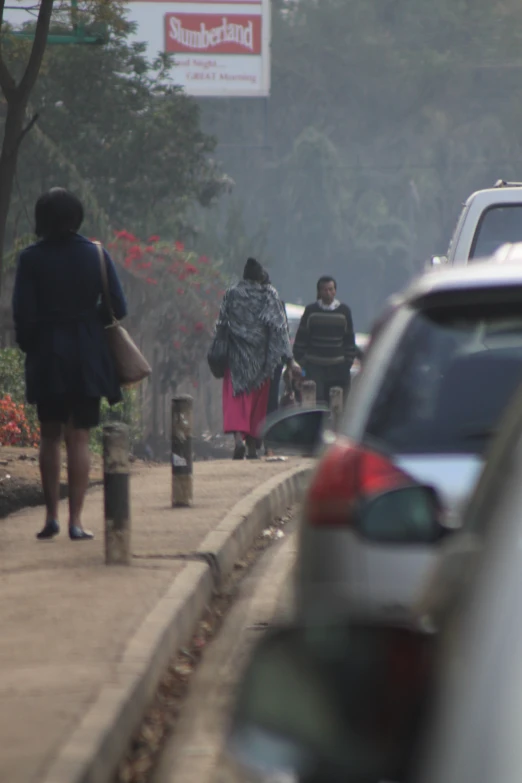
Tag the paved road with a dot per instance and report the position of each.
(196, 751)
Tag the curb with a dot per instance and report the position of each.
(100, 741)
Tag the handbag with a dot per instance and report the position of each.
(217, 356)
(131, 366)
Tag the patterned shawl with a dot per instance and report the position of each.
(258, 338)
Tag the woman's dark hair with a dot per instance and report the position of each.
(326, 279)
(254, 271)
(57, 214)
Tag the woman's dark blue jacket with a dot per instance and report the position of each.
(59, 320)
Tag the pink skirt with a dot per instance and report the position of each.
(245, 412)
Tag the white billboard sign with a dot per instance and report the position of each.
(221, 48)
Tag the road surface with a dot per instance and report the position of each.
(196, 752)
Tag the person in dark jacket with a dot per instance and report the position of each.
(325, 341)
(59, 322)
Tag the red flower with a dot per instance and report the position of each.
(183, 328)
(145, 265)
(153, 238)
(126, 236)
(180, 291)
(199, 327)
(179, 246)
(203, 260)
(176, 344)
(190, 269)
(134, 254)
(151, 281)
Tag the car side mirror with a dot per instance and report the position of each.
(437, 261)
(298, 430)
(403, 515)
(333, 702)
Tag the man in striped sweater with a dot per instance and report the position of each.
(325, 341)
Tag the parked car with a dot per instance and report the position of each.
(435, 383)
(477, 727)
(488, 219)
(388, 698)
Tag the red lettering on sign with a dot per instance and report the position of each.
(213, 33)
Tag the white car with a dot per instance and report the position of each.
(435, 382)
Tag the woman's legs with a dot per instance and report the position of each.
(81, 414)
(50, 461)
(236, 415)
(78, 465)
(258, 407)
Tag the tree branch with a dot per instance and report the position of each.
(38, 48)
(7, 83)
(25, 131)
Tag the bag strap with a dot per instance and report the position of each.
(105, 281)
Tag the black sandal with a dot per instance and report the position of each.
(239, 451)
(79, 534)
(49, 531)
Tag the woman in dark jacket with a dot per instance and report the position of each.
(59, 321)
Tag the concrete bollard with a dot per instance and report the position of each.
(308, 394)
(336, 406)
(182, 483)
(116, 494)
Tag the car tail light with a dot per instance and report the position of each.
(347, 474)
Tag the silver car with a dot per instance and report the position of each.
(435, 382)
(477, 731)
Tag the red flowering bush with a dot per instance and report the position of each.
(15, 429)
(175, 298)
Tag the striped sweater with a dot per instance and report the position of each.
(325, 337)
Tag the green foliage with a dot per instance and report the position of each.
(127, 138)
(12, 373)
(127, 411)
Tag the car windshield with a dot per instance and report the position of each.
(497, 226)
(453, 373)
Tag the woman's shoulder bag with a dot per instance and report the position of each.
(131, 366)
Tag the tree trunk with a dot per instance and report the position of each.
(13, 130)
(17, 98)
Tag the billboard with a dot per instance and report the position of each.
(221, 48)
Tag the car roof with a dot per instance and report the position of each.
(478, 275)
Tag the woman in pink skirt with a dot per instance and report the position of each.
(258, 341)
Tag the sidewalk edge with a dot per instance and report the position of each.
(101, 739)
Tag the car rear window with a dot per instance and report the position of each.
(450, 379)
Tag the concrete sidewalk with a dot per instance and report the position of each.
(76, 635)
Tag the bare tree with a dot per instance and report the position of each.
(17, 98)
